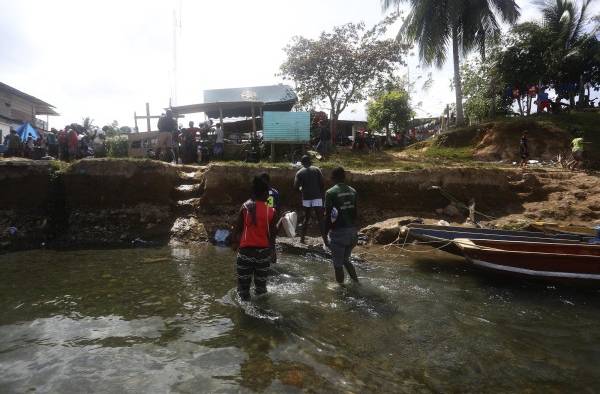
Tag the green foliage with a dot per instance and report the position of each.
(464, 153)
(117, 146)
(391, 109)
(482, 98)
(110, 131)
(554, 51)
(433, 24)
(340, 67)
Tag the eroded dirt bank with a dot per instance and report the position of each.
(105, 202)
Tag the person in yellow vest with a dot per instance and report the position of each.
(577, 150)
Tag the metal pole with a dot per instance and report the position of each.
(135, 122)
(253, 121)
(148, 116)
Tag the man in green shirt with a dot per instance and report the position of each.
(577, 151)
(340, 223)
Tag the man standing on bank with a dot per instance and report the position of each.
(309, 180)
(340, 222)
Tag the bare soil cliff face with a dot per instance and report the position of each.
(25, 202)
(545, 142)
(381, 194)
(106, 202)
(118, 201)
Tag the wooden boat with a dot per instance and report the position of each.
(441, 237)
(553, 228)
(534, 259)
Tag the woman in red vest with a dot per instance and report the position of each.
(256, 233)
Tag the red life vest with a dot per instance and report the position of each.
(257, 234)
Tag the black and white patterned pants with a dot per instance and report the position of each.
(253, 263)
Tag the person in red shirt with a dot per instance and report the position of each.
(73, 144)
(255, 231)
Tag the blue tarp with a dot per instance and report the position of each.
(26, 130)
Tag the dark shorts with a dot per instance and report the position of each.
(342, 241)
(578, 155)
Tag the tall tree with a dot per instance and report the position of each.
(464, 24)
(390, 110)
(565, 22)
(342, 66)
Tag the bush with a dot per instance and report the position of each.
(117, 146)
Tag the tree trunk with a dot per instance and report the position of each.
(572, 99)
(388, 135)
(331, 122)
(582, 101)
(482, 51)
(493, 104)
(333, 129)
(457, 85)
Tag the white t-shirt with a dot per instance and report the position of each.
(220, 136)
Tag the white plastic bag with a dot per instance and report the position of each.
(289, 222)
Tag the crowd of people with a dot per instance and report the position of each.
(191, 144)
(66, 144)
(258, 219)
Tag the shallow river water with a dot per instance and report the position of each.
(167, 320)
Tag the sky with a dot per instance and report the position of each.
(106, 58)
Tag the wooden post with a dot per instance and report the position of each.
(272, 151)
(148, 116)
(135, 122)
(253, 121)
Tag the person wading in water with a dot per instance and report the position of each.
(256, 232)
(340, 222)
(309, 181)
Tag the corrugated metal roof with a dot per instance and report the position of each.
(214, 107)
(288, 127)
(41, 107)
(267, 94)
(275, 98)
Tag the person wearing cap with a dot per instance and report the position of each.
(309, 181)
(340, 224)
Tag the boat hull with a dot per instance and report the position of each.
(534, 259)
(442, 237)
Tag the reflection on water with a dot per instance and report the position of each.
(160, 320)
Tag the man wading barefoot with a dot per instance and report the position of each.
(256, 233)
(310, 181)
(340, 222)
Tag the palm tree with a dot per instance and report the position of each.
(565, 22)
(434, 24)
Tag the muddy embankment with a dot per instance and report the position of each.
(120, 202)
